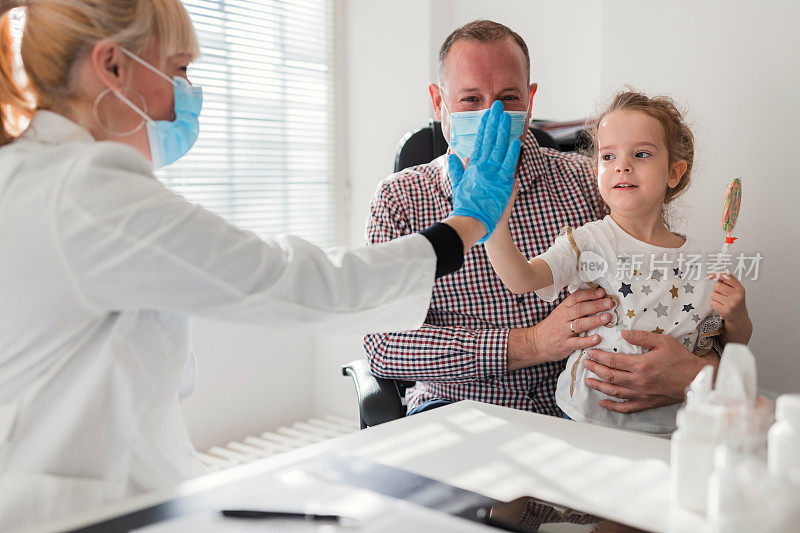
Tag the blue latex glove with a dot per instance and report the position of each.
(482, 189)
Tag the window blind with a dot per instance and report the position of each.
(264, 158)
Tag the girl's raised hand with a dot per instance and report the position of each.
(727, 299)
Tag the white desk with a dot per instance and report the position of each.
(496, 452)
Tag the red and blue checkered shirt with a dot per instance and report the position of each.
(460, 351)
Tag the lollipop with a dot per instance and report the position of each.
(730, 211)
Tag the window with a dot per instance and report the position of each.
(264, 158)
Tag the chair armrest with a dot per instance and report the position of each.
(378, 398)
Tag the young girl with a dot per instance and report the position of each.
(642, 153)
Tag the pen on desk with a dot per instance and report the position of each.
(252, 513)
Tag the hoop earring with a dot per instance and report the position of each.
(108, 130)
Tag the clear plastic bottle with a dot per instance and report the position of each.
(783, 454)
(742, 496)
(734, 505)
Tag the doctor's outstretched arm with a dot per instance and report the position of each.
(132, 245)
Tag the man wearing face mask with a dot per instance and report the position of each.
(480, 341)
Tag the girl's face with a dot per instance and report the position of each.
(633, 170)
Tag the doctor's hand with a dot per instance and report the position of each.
(655, 378)
(481, 190)
(555, 337)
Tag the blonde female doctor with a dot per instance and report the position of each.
(101, 266)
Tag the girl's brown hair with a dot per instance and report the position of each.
(678, 136)
(58, 33)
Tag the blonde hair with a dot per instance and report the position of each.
(678, 136)
(58, 33)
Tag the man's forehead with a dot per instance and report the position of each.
(495, 65)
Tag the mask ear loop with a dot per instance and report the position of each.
(146, 64)
(140, 112)
(119, 95)
(449, 114)
(444, 102)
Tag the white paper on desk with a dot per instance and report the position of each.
(504, 460)
(296, 491)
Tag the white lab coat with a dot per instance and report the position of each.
(100, 269)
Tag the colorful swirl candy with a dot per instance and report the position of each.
(730, 211)
(730, 207)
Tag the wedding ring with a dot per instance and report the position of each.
(570, 327)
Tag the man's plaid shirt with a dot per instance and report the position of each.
(460, 351)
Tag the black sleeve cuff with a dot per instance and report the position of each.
(447, 245)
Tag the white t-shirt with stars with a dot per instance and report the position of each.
(658, 289)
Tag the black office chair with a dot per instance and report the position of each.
(383, 400)
(379, 400)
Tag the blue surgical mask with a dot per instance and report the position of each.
(170, 140)
(464, 128)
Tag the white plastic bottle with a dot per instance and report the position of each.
(693, 444)
(692, 459)
(783, 449)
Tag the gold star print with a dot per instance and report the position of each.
(636, 273)
(630, 314)
(674, 291)
(658, 330)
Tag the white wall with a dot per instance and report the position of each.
(250, 379)
(387, 75)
